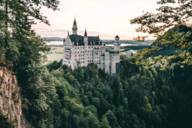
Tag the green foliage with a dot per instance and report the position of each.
(174, 44)
(17, 38)
(54, 65)
(169, 14)
(21, 50)
(151, 90)
(179, 37)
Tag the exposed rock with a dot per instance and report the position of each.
(10, 99)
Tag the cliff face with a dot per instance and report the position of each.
(10, 99)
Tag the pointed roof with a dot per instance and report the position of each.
(78, 40)
(117, 38)
(85, 34)
(75, 25)
(75, 22)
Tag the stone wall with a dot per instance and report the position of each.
(10, 99)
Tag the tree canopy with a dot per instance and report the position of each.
(169, 14)
(150, 90)
(16, 19)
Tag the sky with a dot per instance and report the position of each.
(105, 18)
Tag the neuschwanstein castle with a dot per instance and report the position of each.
(79, 51)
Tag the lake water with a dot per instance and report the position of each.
(56, 53)
(123, 43)
(54, 42)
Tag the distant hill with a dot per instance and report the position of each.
(53, 39)
(174, 41)
(128, 41)
(178, 37)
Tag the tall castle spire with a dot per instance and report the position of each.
(85, 37)
(74, 28)
(85, 34)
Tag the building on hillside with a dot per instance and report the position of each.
(82, 50)
(109, 60)
(79, 51)
(139, 38)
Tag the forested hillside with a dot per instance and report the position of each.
(150, 90)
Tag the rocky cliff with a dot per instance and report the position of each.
(10, 99)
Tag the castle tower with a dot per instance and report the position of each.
(74, 28)
(117, 38)
(115, 56)
(85, 37)
(117, 43)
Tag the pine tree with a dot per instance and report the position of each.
(17, 17)
(22, 51)
(169, 14)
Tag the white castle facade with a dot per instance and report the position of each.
(80, 51)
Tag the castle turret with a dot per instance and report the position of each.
(117, 38)
(85, 34)
(85, 37)
(74, 29)
(117, 43)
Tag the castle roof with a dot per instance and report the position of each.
(79, 40)
(93, 39)
(76, 39)
(74, 25)
(85, 34)
(117, 38)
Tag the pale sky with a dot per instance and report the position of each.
(101, 17)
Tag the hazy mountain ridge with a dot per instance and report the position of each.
(53, 39)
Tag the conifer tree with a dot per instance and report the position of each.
(169, 14)
(22, 50)
(17, 17)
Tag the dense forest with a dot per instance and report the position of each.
(150, 90)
